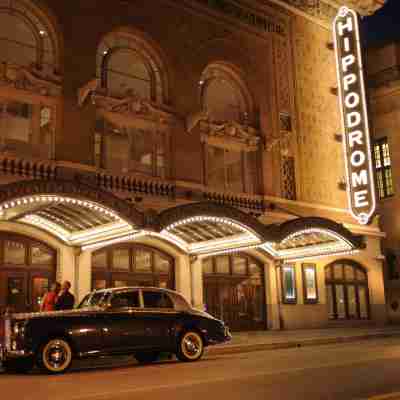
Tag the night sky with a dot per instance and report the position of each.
(383, 26)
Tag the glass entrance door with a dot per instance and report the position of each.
(234, 291)
(16, 286)
(23, 291)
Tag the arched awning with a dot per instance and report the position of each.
(310, 237)
(75, 213)
(206, 227)
(87, 217)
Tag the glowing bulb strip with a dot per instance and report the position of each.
(42, 223)
(315, 249)
(333, 254)
(28, 200)
(202, 218)
(93, 233)
(317, 230)
(229, 251)
(311, 251)
(169, 237)
(211, 245)
(118, 239)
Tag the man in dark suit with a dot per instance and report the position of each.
(66, 299)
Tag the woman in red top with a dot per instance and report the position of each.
(50, 298)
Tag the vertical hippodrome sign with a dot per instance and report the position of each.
(356, 140)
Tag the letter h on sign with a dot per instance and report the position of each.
(356, 146)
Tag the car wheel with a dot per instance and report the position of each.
(19, 366)
(146, 357)
(55, 356)
(190, 346)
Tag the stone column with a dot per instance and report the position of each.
(376, 287)
(66, 265)
(273, 300)
(196, 268)
(83, 274)
(183, 277)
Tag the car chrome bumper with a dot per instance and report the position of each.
(9, 354)
(227, 333)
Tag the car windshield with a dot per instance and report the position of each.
(95, 299)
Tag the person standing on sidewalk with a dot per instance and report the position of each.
(50, 298)
(66, 300)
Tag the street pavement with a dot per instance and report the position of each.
(356, 371)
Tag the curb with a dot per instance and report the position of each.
(247, 348)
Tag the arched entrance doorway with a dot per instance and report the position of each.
(27, 268)
(129, 264)
(347, 290)
(234, 291)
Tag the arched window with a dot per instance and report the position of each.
(224, 95)
(28, 40)
(129, 66)
(347, 290)
(26, 37)
(234, 291)
(131, 265)
(227, 101)
(131, 71)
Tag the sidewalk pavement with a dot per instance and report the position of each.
(243, 342)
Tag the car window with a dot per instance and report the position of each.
(180, 302)
(94, 299)
(156, 300)
(125, 299)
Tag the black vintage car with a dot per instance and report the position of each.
(141, 321)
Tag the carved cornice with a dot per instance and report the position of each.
(130, 106)
(30, 79)
(324, 11)
(231, 133)
(364, 7)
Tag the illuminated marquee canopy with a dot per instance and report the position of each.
(197, 229)
(357, 150)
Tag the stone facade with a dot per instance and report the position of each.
(284, 69)
(384, 95)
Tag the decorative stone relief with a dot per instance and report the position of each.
(284, 97)
(132, 105)
(326, 10)
(288, 178)
(229, 131)
(30, 79)
(281, 49)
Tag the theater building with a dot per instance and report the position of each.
(383, 68)
(194, 146)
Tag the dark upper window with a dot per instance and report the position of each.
(125, 299)
(232, 170)
(26, 38)
(153, 299)
(129, 66)
(383, 168)
(224, 94)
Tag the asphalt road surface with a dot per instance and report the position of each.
(344, 371)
